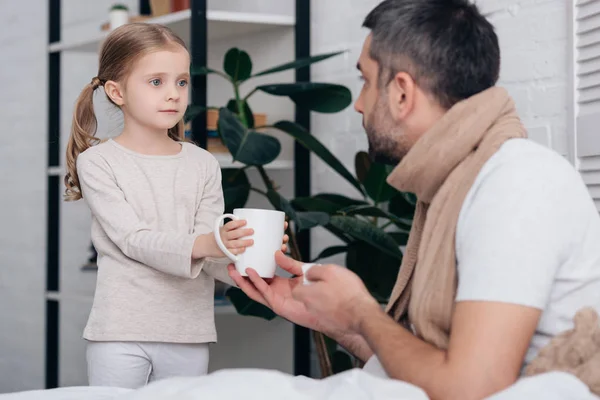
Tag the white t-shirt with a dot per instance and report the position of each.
(529, 233)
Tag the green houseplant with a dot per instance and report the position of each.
(371, 228)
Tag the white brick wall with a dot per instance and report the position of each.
(533, 36)
(23, 160)
(534, 46)
(22, 193)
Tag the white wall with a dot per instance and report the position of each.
(533, 41)
(22, 193)
(533, 37)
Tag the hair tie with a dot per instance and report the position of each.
(96, 82)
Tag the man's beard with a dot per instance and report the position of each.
(383, 136)
(382, 157)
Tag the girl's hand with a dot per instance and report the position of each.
(232, 234)
(286, 238)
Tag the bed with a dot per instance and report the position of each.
(355, 384)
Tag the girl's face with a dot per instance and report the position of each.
(155, 94)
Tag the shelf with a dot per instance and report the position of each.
(221, 25)
(222, 307)
(224, 161)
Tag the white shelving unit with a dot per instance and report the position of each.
(224, 160)
(221, 25)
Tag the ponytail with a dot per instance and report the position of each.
(83, 131)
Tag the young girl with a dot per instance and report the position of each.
(154, 199)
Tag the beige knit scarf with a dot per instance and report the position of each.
(440, 169)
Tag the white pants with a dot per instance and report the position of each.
(133, 364)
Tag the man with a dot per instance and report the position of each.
(506, 235)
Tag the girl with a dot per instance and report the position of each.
(153, 199)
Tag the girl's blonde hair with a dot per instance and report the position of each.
(120, 50)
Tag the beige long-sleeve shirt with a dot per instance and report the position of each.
(146, 214)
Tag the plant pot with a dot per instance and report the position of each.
(179, 5)
(160, 7)
(212, 117)
(214, 142)
(117, 18)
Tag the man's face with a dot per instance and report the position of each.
(387, 143)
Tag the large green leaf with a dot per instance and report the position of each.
(299, 63)
(330, 251)
(340, 200)
(377, 269)
(314, 204)
(280, 203)
(313, 144)
(326, 202)
(248, 147)
(400, 237)
(303, 220)
(310, 219)
(246, 306)
(204, 71)
(401, 207)
(372, 211)
(366, 232)
(237, 64)
(375, 183)
(340, 234)
(410, 197)
(329, 203)
(315, 96)
(192, 112)
(362, 164)
(232, 106)
(236, 188)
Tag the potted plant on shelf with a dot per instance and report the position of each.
(118, 15)
(372, 227)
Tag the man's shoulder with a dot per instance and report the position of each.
(527, 154)
(520, 162)
(523, 179)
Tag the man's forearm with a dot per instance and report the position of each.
(405, 357)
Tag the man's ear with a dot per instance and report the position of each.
(401, 95)
(114, 92)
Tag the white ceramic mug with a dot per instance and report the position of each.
(268, 238)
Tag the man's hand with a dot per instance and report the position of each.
(277, 294)
(337, 297)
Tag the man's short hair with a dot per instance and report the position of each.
(447, 46)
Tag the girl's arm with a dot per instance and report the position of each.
(211, 206)
(169, 252)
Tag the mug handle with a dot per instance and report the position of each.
(217, 234)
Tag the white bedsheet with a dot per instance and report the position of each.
(272, 385)
(68, 393)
